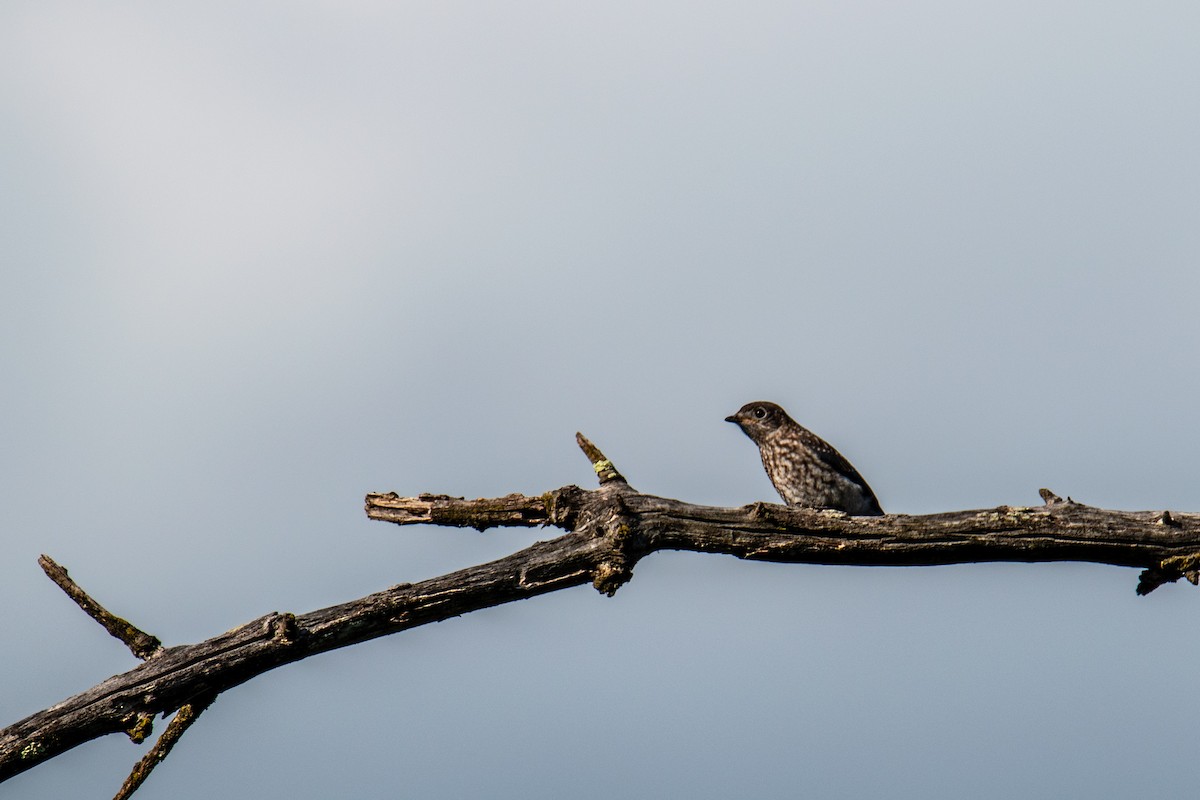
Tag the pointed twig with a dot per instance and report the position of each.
(182, 720)
(604, 468)
(141, 643)
(1049, 497)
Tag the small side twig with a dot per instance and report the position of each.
(1054, 500)
(1170, 570)
(142, 644)
(1050, 498)
(182, 720)
(604, 468)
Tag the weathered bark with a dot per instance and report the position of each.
(608, 530)
(1167, 545)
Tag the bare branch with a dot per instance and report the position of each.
(182, 720)
(177, 675)
(142, 644)
(441, 509)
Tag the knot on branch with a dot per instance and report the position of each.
(615, 546)
(766, 512)
(283, 628)
(562, 506)
(616, 568)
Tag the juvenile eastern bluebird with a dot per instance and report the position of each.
(804, 468)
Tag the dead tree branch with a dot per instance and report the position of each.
(182, 720)
(140, 643)
(608, 530)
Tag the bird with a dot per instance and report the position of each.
(805, 469)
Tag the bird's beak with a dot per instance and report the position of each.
(731, 419)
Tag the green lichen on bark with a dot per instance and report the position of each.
(142, 726)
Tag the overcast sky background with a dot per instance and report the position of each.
(259, 259)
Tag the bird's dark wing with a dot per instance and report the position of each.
(837, 462)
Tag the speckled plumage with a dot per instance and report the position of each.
(805, 469)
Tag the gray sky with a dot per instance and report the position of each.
(262, 258)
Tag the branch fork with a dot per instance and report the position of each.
(139, 724)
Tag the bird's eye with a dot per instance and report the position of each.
(759, 412)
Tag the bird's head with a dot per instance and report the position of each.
(759, 419)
